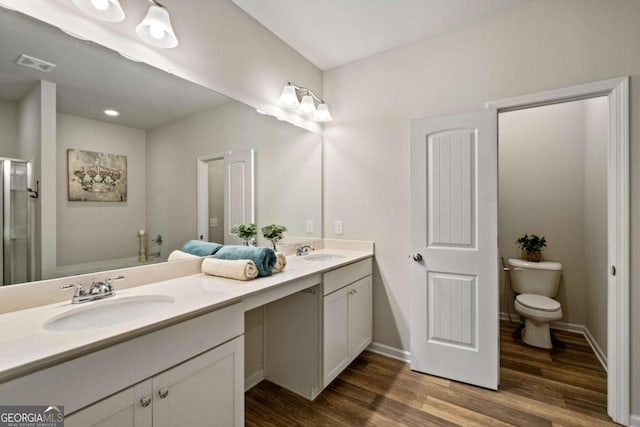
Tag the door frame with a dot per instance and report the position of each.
(202, 188)
(618, 304)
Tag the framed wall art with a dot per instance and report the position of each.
(96, 177)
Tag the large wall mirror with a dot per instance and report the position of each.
(164, 125)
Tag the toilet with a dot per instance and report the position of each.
(536, 283)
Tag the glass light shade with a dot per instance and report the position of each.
(307, 107)
(105, 10)
(288, 98)
(156, 30)
(322, 113)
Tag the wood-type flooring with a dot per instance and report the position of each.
(564, 387)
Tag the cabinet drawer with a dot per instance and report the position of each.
(341, 277)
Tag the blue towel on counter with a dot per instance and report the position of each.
(201, 248)
(264, 258)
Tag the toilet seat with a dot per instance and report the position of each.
(538, 302)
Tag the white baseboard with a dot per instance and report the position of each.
(253, 379)
(634, 420)
(392, 352)
(596, 348)
(579, 329)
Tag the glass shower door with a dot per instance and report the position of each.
(15, 221)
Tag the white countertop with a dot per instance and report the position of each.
(26, 346)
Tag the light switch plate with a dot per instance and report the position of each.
(338, 228)
(309, 226)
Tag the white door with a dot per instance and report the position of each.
(336, 333)
(360, 319)
(238, 194)
(454, 271)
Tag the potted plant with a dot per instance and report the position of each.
(274, 233)
(245, 231)
(532, 245)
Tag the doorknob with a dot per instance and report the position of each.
(417, 257)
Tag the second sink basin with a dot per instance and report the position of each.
(107, 313)
(322, 257)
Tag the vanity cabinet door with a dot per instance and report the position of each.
(336, 333)
(347, 326)
(360, 317)
(131, 407)
(207, 390)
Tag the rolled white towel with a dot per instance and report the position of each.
(239, 269)
(177, 254)
(281, 262)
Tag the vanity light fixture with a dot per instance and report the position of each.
(155, 29)
(303, 100)
(105, 10)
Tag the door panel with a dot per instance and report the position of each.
(454, 289)
(239, 196)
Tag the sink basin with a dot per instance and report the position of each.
(323, 257)
(103, 314)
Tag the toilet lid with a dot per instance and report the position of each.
(538, 302)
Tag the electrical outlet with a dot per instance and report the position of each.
(213, 222)
(338, 228)
(309, 226)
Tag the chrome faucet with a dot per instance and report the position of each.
(304, 250)
(98, 290)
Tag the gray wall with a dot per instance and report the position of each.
(531, 47)
(541, 187)
(9, 137)
(90, 231)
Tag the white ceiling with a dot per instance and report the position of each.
(335, 32)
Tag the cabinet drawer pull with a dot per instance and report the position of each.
(145, 401)
(163, 392)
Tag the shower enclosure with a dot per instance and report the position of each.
(15, 251)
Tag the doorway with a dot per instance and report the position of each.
(225, 194)
(552, 181)
(616, 92)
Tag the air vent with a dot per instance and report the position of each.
(35, 63)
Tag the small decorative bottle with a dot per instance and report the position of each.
(142, 255)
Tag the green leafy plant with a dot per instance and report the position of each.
(274, 233)
(245, 232)
(532, 245)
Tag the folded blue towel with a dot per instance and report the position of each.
(201, 248)
(264, 258)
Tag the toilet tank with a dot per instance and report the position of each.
(539, 278)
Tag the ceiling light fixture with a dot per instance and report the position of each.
(112, 113)
(155, 29)
(105, 10)
(303, 100)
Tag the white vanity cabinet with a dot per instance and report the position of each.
(189, 373)
(347, 315)
(198, 392)
(312, 335)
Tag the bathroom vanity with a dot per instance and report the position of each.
(182, 361)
